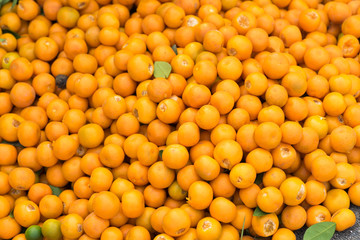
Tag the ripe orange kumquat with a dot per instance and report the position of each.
(178, 119)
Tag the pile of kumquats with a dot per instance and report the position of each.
(184, 119)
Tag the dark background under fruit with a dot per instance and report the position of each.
(352, 233)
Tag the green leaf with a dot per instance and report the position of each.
(14, 4)
(259, 178)
(258, 212)
(320, 231)
(160, 153)
(162, 69)
(174, 47)
(340, 36)
(242, 229)
(55, 190)
(3, 2)
(2, 39)
(16, 35)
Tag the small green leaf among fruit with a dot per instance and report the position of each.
(162, 69)
(320, 231)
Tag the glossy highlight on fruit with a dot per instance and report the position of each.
(178, 119)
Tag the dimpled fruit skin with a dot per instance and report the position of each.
(179, 119)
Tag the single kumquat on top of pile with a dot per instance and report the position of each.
(191, 119)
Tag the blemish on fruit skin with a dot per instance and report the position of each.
(300, 193)
(50, 146)
(348, 47)
(136, 113)
(191, 22)
(226, 163)
(79, 227)
(162, 107)
(269, 227)
(6, 59)
(285, 152)
(232, 51)
(30, 207)
(340, 118)
(21, 6)
(206, 225)
(144, 93)
(14, 191)
(118, 98)
(341, 181)
(243, 21)
(320, 217)
(256, 16)
(313, 15)
(80, 151)
(15, 123)
(151, 69)
(180, 231)
(81, 5)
